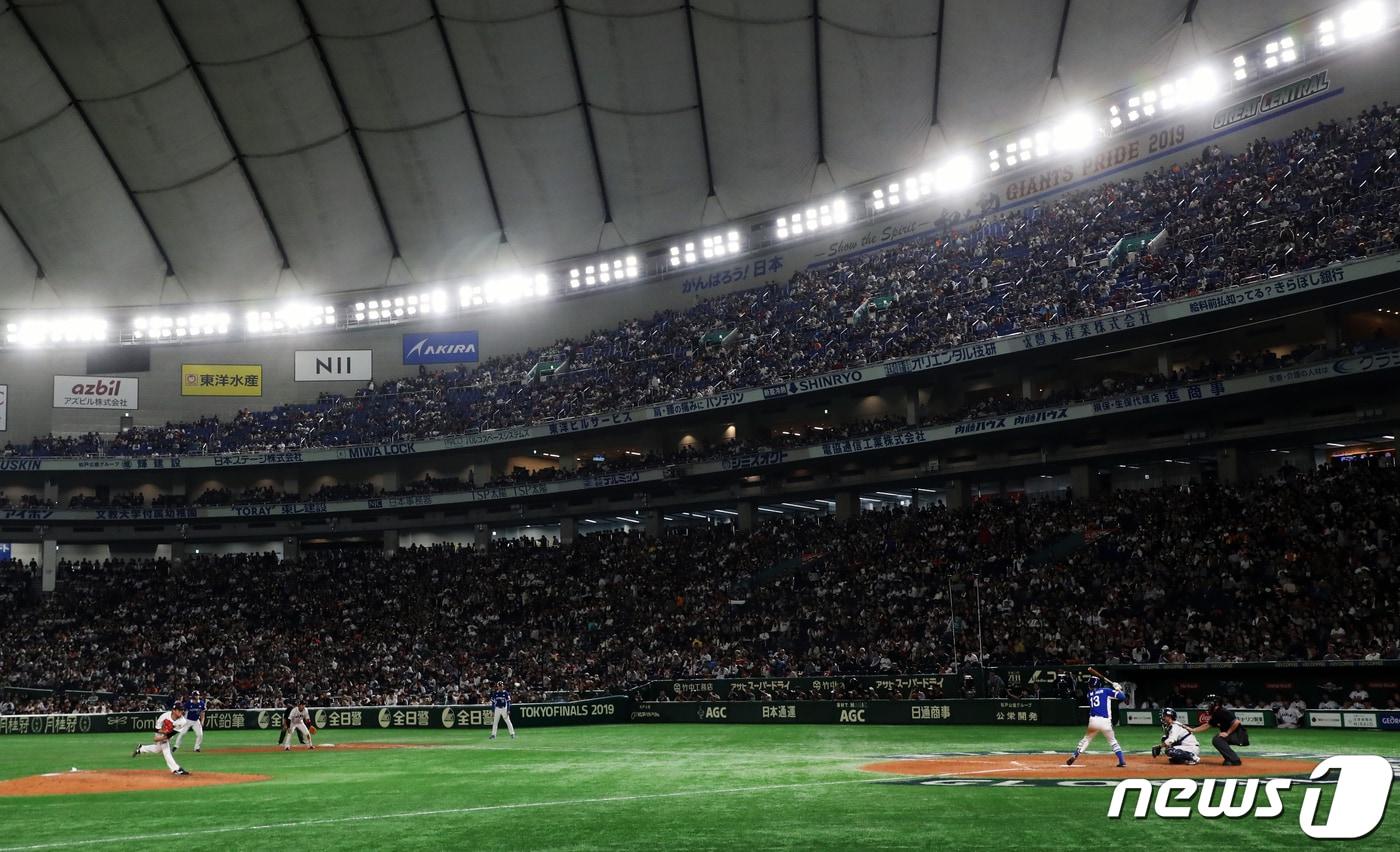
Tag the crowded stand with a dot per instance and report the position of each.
(1317, 196)
(1296, 566)
(1202, 370)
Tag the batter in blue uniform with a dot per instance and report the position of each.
(1101, 700)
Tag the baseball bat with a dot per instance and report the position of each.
(1098, 674)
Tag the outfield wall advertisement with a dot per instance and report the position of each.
(953, 711)
(442, 716)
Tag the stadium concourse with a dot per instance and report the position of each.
(1299, 566)
(1319, 195)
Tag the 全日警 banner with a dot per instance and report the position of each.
(96, 392)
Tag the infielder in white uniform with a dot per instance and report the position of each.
(296, 721)
(1177, 741)
(167, 726)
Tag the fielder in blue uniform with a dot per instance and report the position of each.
(194, 706)
(500, 709)
(1101, 700)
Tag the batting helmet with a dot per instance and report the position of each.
(1167, 713)
(1093, 682)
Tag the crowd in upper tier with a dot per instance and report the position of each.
(1297, 566)
(1202, 370)
(1319, 195)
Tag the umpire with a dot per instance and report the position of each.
(1232, 733)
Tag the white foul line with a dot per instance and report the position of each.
(131, 838)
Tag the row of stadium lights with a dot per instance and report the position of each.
(957, 173)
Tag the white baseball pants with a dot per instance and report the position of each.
(1099, 725)
(198, 727)
(162, 749)
(497, 714)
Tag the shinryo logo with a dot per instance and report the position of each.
(1358, 805)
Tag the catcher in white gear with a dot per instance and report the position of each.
(1178, 742)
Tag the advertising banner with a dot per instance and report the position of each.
(1324, 719)
(221, 380)
(444, 347)
(334, 365)
(95, 392)
(956, 711)
(591, 711)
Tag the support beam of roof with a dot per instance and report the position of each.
(1190, 11)
(471, 119)
(102, 146)
(699, 96)
(817, 78)
(349, 125)
(938, 61)
(23, 243)
(183, 46)
(587, 114)
(1060, 42)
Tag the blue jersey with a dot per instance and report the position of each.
(194, 708)
(501, 698)
(1101, 701)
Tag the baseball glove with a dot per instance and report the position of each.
(312, 729)
(1156, 751)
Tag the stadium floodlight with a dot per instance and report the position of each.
(1271, 62)
(1149, 110)
(1042, 143)
(36, 332)
(1012, 160)
(1134, 102)
(1271, 48)
(1239, 61)
(1241, 74)
(1363, 20)
(878, 199)
(1203, 85)
(1073, 132)
(1326, 33)
(953, 175)
(1288, 55)
(1115, 122)
(1149, 96)
(1133, 115)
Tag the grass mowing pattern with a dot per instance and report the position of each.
(620, 787)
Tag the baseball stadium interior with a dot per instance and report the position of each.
(803, 427)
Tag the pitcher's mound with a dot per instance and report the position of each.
(1052, 767)
(116, 781)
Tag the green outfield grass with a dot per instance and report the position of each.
(618, 787)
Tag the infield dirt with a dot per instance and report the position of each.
(1052, 767)
(117, 781)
